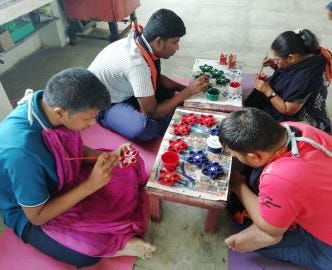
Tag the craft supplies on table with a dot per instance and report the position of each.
(203, 170)
(220, 77)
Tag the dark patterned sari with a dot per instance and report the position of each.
(300, 83)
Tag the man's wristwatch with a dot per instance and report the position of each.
(272, 95)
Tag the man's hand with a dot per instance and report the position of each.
(196, 86)
(102, 171)
(236, 180)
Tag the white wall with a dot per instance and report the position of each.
(53, 34)
(329, 102)
(5, 106)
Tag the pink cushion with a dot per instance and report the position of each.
(19, 256)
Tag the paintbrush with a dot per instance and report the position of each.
(260, 71)
(80, 158)
(260, 75)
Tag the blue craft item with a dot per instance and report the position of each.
(214, 150)
(215, 131)
(213, 170)
(197, 158)
(213, 142)
(182, 184)
(192, 180)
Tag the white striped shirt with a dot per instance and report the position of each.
(123, 70)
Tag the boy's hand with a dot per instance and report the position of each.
(102, 170)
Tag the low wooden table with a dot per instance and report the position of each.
(213, 207)
(205, 192)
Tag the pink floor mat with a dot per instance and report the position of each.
(15, 255)
(253, 260)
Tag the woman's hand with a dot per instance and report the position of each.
(269, 62)
(262, 87)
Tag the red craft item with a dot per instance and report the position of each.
(223, 59)
(261, 76)
(231, 61)
(168, 178)
(207, 120)
(170, 160)
(181, 129)
(177, 145)
(234, 84)
(128, 158)
(189, 119)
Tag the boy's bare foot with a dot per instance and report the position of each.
(250, 239)
(137, 247)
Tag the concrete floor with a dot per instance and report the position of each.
(244, 27)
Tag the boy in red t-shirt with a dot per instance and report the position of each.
(295, 187)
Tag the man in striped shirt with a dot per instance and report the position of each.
(142, 98)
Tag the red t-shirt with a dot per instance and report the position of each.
(299, 189)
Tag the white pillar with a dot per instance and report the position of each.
(5, 106)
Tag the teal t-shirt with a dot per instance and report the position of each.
(27, 169)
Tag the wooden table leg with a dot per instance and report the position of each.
(212, 220)
(155, 208)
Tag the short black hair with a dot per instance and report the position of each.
(329, 6)
(76, 90)
(250, 129)
(164, 23)
(301, 42)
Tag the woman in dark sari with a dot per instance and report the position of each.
(297, 90)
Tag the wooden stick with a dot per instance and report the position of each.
(81, 158)
(267, 54)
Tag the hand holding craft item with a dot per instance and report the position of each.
(261, 76)
(266, 62)
(128, 157)
(197, 74)
(170, 160)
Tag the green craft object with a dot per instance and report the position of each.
(206, 68)
(212, 94)
(215, 73)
